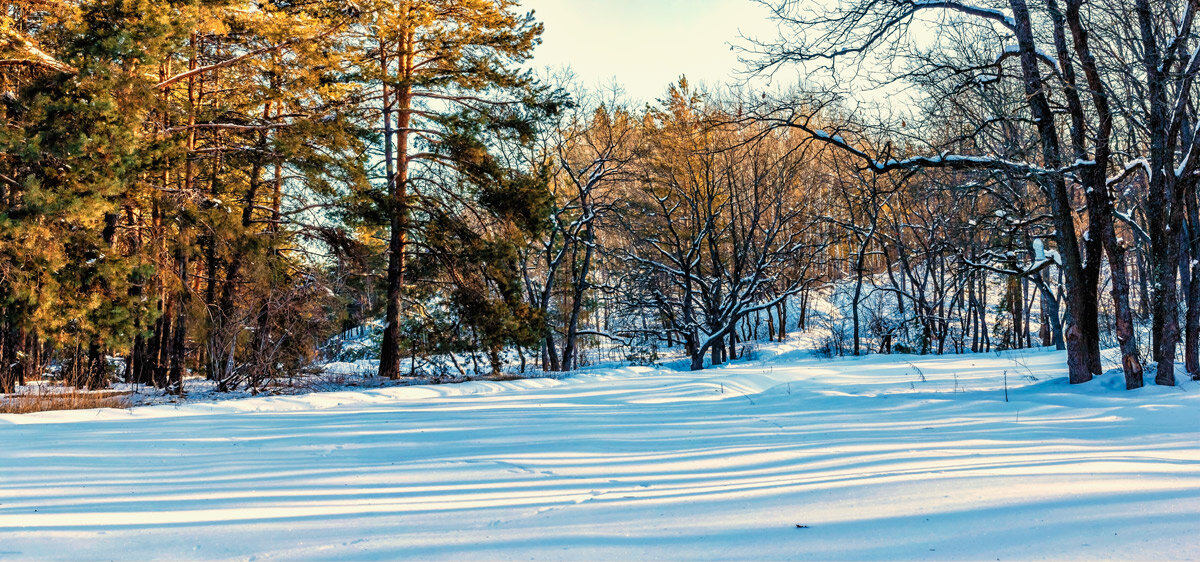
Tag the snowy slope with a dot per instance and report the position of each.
(882, 457)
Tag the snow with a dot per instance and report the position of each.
(998, 15)
(1048, 59)
(1051, 60)
(881, 457)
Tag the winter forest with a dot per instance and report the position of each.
(223, 189)
(215, 210)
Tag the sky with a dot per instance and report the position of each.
(645, 45)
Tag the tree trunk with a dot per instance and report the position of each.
(770, 326)
(802, 323)
(1079, 361)
(178, 354)
(718, 351)
(695, 353)
(179, 339)
(1165, 202)
(549, 353)
(494, 360)
(858, 283)
(1192, 324)
(389, 354)
(782, 311)
(579, 286)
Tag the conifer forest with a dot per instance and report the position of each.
(221, 209)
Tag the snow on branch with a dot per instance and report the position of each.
(1050, 258)
(33, 56)
(1130, 168)
(986, 13)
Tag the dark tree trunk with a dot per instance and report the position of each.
(96, 374)
(494, 360)
(1079, 360)
(1089, 319)
(550, 354)
(984, 339)
(782, 308)
(8, 355)
(1192, 324)
(179, 338)
(718, 352)
(580, 285)
(802, 323)
(858, 282)
(1143, 278)
(770, 326)
(1165, 202)
(695, 353)
(389, 354)
(158, 346)
(1088, 315)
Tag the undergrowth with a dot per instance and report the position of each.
(46, 399)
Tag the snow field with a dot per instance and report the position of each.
(881, 457)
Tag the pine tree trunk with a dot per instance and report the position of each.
(178, 354)
(494, 360)
(179, 338)
(7, 377)
(158, 346)
(389, 354)
(216, 316)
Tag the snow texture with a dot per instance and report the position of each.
(790, 457)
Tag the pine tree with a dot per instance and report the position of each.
(438, 64)
(72, 156)
(166, 170)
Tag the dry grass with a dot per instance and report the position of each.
(45, 399)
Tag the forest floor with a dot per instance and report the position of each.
(789, 456)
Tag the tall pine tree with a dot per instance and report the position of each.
(438, 64)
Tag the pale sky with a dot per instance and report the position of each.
(645, 45)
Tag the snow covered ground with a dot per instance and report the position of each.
(882, 457)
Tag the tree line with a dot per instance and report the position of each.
(221, 188)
